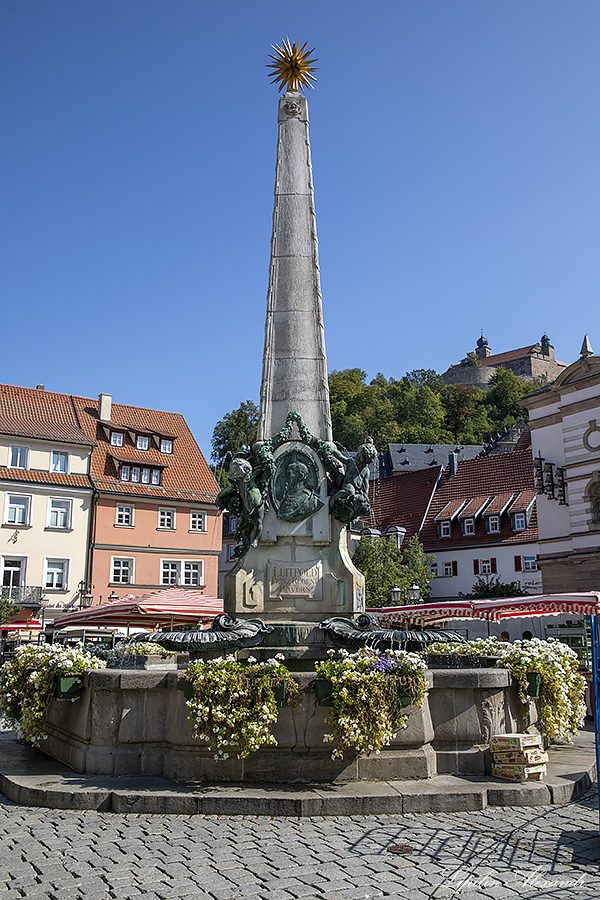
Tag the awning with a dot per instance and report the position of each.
(21, 625)
(172, 606)
(583, 604)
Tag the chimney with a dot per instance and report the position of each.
(452, 464)
(40, 387)
(104, 407)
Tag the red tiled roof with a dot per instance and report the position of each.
(497, 475)
(47, 431)
(57, 478)
(402, 499)
(499, 504)
(510, 356)
(186, 474)
(522, 502)
(474, 507)
(451, 509)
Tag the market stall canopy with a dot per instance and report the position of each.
(171, 606)
(20, 624)
(584, 604)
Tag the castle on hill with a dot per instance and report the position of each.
(533, 363)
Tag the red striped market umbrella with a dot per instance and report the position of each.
(171, 606)
(582, 604)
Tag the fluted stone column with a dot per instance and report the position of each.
(294, 373)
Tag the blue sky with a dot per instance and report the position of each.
(455, 150)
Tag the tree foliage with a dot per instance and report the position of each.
(488, 588)
(7, 609)
(385, 567)
(415, 409)
(234, 429)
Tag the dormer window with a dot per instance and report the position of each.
(142, 442)
(468, 526)
(166, 445)
(116, 438)
(125, 472)
(493, 524)
(519, 521)
(445, 527)
(155, 476)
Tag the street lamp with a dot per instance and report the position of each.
(86, 599)
(396, 596)
(414, 591)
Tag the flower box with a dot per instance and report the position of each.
(324, 691)
(67, 687)
(534, 683)
(279, 690)
(146, 662)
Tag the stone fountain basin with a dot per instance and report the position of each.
(136, 723)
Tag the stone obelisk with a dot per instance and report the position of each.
(294, 361)
(294, 491)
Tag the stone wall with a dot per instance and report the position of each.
(136, 723)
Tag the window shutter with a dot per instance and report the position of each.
(493, 564)
(475, 567)
(518, 564)
(454, 567)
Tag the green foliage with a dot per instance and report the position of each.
(234, 429)
(7, 609)
(233, 706)
(366, 710)
(28, 681)
(415, 409)
(471, 359)
(385, 567)
(487, 588)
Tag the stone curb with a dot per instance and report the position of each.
(30, 778)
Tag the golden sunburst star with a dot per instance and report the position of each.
(292, 66)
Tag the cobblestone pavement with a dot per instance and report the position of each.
(500, 853)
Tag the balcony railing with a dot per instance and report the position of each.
(23, 595)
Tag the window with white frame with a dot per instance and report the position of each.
(125, 473)
(433, 570)
(18, 457)
(185, 572)
(197, 521)
(135, 473)
(493, 524)
(59, 512)
(519, 521)
(124, 515)
(17, 509)
(142, 442)
(485, 567)
(448, 569)
(116, 438)
(57, 574)
(145, 476)
(166, 519)
(155, 476)
(468, 526)
(530, 564)
(166, 446)
(122, 570)
(446, 528)
(59, 462)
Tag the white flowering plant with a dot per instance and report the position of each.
(233, 706)
(562, 708)
(366, 711)
(123, 650)
(490, 646)
(28, 682)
